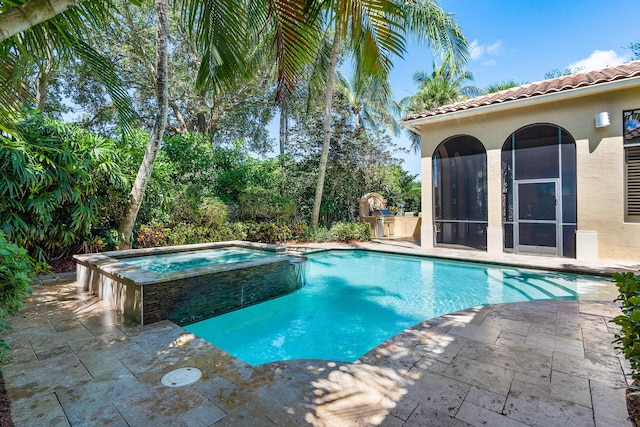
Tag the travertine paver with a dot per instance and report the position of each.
(609, 405)
(568, 387)
(539, 363)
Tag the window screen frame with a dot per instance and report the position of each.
(631, 144)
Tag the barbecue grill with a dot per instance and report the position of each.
(385, 220)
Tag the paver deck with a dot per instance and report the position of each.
(547, 363)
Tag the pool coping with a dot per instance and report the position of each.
(534, 262)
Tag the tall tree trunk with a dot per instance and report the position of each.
(284, 131)
(41, 89)
(200, 123)
(45, 69)
(182, 125)
(34, 12)
(155, 140)
(326, 125)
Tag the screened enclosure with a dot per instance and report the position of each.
(460, 193)
(539, 191)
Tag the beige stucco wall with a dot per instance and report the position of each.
(401, 227)
(601, 229)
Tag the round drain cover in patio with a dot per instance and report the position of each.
(181, 377)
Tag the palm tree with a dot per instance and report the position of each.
(18, 18)
(368, 100)
(64, 35)
(443, 86)
(223, 32)
(502, 85)
(375, 32)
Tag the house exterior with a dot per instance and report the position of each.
(551, 167)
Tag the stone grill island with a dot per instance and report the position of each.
(192, 294)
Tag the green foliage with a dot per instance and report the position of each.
(213, 213)
(268, 232)
(17, 271)
(628, 339)
(235, 171)
(635, 48)
(184, 234)
(342, 231)
(361, 160)
(189, 174)
(348, 231)
(150, 236)
(261, 204)
(56, 183)
(320, 235)
(189, 209)
(102, 240)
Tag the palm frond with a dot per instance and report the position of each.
(502, 85)
(64, 35)
(318, 71)
(298, 36)
(19, 16)
(374, 29)
(219, 29)
(427, 23)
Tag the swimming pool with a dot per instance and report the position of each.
(355, 300)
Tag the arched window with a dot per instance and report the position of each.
(460, 193)
(539, 191)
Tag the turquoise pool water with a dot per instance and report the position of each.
(177, 261)
(355, 300)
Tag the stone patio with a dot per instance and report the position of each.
(550, 363)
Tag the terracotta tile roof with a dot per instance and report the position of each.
(545, 87)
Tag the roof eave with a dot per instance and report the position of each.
(414, 124)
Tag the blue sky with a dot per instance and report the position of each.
(523, 40)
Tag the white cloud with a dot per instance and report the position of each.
(476, 50)
(494, 49)
(479, 51)
(599, 59)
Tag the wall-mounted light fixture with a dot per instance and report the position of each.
(602, 120)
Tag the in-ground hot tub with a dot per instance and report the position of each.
(189, 283)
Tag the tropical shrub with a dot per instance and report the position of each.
(189, 208)
(299, 230)
(150, 236)
(184, 234)
(17, 271)
(101, 240)
(55, 184)
(348, 231)
(261, 204)
(235, 170)
(268, 232)
(212, 212)
(188, 171)
(319, 234)
(628, 339)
